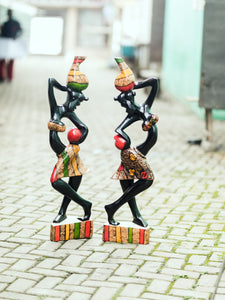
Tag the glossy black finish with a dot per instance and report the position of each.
(69, 190)
(135, 113)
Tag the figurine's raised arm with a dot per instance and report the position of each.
(52, 101)
(154, 83)
(125, 143)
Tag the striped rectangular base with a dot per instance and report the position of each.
(126, 233)
(71, 228)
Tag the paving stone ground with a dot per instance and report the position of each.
(184, 207)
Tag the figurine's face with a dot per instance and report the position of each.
(126, 99)
(124, 102)
(75, 99)
(74, 103)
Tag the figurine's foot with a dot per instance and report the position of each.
(59, 218)
(140, 221)
(87, 213)
(113, 222)
(110, 215)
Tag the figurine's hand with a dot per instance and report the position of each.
(152, 120)
(69, 90)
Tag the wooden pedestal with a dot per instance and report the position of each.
(126, 233)
(71, 228)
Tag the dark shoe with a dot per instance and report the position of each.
(59, 218)
(140, 221)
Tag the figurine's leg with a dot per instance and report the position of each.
(67, 190)
(74, 182)
(133, 190)
(138, 219)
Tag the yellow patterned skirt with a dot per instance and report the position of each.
(133, 166)
(69, 164)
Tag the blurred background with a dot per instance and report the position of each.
(180, 41)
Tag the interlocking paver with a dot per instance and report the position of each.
(126, 270)
(80, 296)
(104, 293)
(19, 296)
(158, 286)
(132, 290)
(184, 207)
(20, 285)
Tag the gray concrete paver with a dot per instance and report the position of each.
(184, 207)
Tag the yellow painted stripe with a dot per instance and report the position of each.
(118, 234)
(71, 72)
(125, 73)
(74, 162)
(67, 231)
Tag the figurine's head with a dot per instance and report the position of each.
(127, 100)
(125, 80)
(77, 80)
(74, 99)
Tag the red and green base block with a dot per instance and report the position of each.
(71, 228)
(126, 233)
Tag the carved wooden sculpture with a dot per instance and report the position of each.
(69, 163)
(134, 173)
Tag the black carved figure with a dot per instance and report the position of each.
(134, 173)
(69, 163)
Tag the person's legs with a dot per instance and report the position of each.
(2, 70)
(69, 191)
(131, 191)
(10, 69)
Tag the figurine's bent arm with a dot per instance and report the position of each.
(154, 83)
(120, 129)
(150, 140)
(79, 124)
(52, 101)
(55, 142)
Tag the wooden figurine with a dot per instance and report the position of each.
(69, 163)
(134, 172)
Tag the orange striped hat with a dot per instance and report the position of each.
(77, 80)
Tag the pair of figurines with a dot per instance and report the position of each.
(134, 173)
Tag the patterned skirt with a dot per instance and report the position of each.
(69, 164)
(133, 166)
